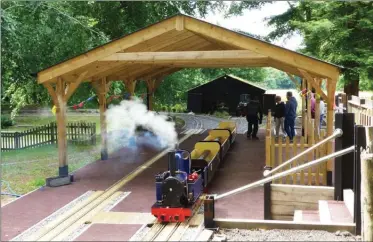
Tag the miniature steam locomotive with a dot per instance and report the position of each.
(178, 190)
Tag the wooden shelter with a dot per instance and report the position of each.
(156, 51)
(225, 89)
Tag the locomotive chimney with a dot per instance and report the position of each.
(172, 163)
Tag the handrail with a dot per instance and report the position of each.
(285, 173)
(337, 133)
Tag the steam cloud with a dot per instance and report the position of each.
(123, 119)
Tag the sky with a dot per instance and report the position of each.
(252, 21)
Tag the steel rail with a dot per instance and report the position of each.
(285, 173)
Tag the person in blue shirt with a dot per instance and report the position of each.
(290, 115)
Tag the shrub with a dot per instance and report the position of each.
(6, 121)
(221, 114)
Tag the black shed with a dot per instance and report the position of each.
(225, 89)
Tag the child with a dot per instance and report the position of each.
(279, 114)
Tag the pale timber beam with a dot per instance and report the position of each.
(293, 80)
(107, 50)
(160, 74)
(130, 85)
(313, 83)
(279, 54)
(74, 85)
(102, 88)
(150, 84)
(304, 111)
(179, 25)
(184, 56)
(331, 87)
(60, 96)
(61, 127)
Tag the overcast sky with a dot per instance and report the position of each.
(252, 21)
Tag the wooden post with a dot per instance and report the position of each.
(102, 88)
(367, 186)
(130, 86)
(331, 86)
(359, 144)
(209, 212)
(61, 127)
(150, 84)
(304, 112)
(267, 201)
(317, 118)
(309, 117)
(343, 167)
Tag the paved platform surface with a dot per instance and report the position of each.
(99, 175)
(243, 164)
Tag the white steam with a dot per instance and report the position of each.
(123, 119)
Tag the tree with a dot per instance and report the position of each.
(339, 32)
(36, 35)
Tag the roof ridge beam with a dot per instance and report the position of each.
(275, 52)
(174, 56)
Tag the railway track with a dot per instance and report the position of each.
(189, 230)
(63, 226)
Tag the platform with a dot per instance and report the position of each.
(243, 164)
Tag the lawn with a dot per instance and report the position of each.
(24, 122)
(26, 170)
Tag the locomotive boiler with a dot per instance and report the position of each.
(179, 189)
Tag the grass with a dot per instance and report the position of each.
(26, 170)
(22, 123)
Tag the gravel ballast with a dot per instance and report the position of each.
(283, 235)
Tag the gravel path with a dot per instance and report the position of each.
(283, 235)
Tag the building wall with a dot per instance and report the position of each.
(221, 90)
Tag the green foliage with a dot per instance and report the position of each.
(36, 35)
(221, 114)
(339, 32)
(6, 121)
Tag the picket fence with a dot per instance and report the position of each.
(77, 133)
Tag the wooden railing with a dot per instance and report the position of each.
(77, 133)
(279, 150)
(363, 110)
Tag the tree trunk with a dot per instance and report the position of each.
(367, 187)
(351, 86)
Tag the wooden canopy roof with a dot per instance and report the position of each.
(182, 42)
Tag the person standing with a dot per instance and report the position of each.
(290, 115)
(279, 114)
(322, 111)
(254, 115)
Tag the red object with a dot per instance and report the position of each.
(75, 107)
(80, 104)
(171, 214)
(193, 176)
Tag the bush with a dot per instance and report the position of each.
(179, 108)
(221, 114)
(6, 121)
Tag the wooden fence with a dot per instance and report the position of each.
(279, 151)
(363, 110)
(77, 133)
